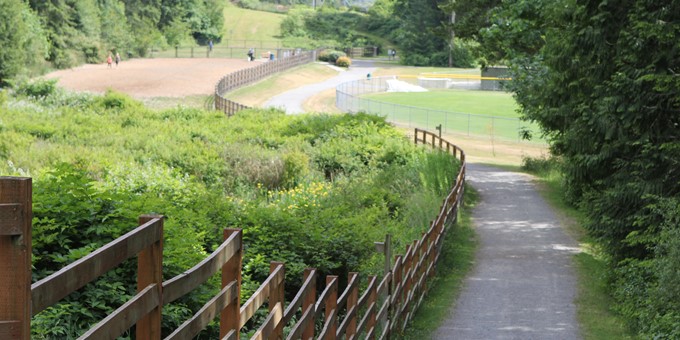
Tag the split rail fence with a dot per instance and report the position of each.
(383, 308)
(251, 75)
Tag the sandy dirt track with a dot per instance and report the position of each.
(159, 77)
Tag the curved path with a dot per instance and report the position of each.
(291, 101)
(523, 285)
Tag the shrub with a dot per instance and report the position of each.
(334, 55)
(343, 62)
(331, 56)
(539, 165)
(323, 55)
(37, 89)
(116, 100)
(295, 168)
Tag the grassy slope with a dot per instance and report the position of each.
(259, 93)
(244, 24)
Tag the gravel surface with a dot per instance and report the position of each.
(523, 285)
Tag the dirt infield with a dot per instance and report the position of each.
(144, 78)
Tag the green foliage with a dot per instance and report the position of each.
(20, 38)
(614, 125)
(343, 62)
(295, 168)
(541, 166)
(73, 32)
(117, 100)
(331, 56)
(310, 190)
(38, 88)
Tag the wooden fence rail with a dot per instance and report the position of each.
(251, 75)
(383, 308)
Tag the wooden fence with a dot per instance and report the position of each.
(384, 307)
(251, 75)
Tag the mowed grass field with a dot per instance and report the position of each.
(473, 113)
(490, 103)
(245, 24)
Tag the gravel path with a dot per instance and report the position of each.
(291, 101)
(523, 285)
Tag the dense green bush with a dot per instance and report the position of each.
(331, 56)
(37, 88)
(309, 190)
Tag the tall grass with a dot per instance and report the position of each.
(455, 262)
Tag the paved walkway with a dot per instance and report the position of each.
(523, 285)
(291, 101)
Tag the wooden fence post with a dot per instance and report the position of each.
(277, 295)
(372, 300)
(16, 212)
(307, 301)
(331, 308)
(230, 318)
(150, 271)
(395, 295)
(352, 301)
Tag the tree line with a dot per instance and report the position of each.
(38, 34)
(602, 78)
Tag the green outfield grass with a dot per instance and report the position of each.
(490, 103)
(475, 113)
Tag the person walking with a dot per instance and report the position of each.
(251, 54)
(117, 58)
(109, 60)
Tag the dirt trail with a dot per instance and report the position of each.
(144, 78)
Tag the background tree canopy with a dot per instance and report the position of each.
(69, 32)
(602, 79)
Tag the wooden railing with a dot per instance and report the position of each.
(251, 75)
(383, 309)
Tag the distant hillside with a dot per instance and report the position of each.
(245, 24)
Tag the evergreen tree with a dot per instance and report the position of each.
(21, 38)
(602, 79)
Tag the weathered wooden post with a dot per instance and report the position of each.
(150, 271)
(331, 308)
(309, 301)
(230, 318)
(277, 296)
(352, 301)
(15, 253)
(372, 300)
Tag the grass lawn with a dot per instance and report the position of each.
(475, 113)
(490, 103)
(258, 93)
(243, 24)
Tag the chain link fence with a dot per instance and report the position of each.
(349, 98)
